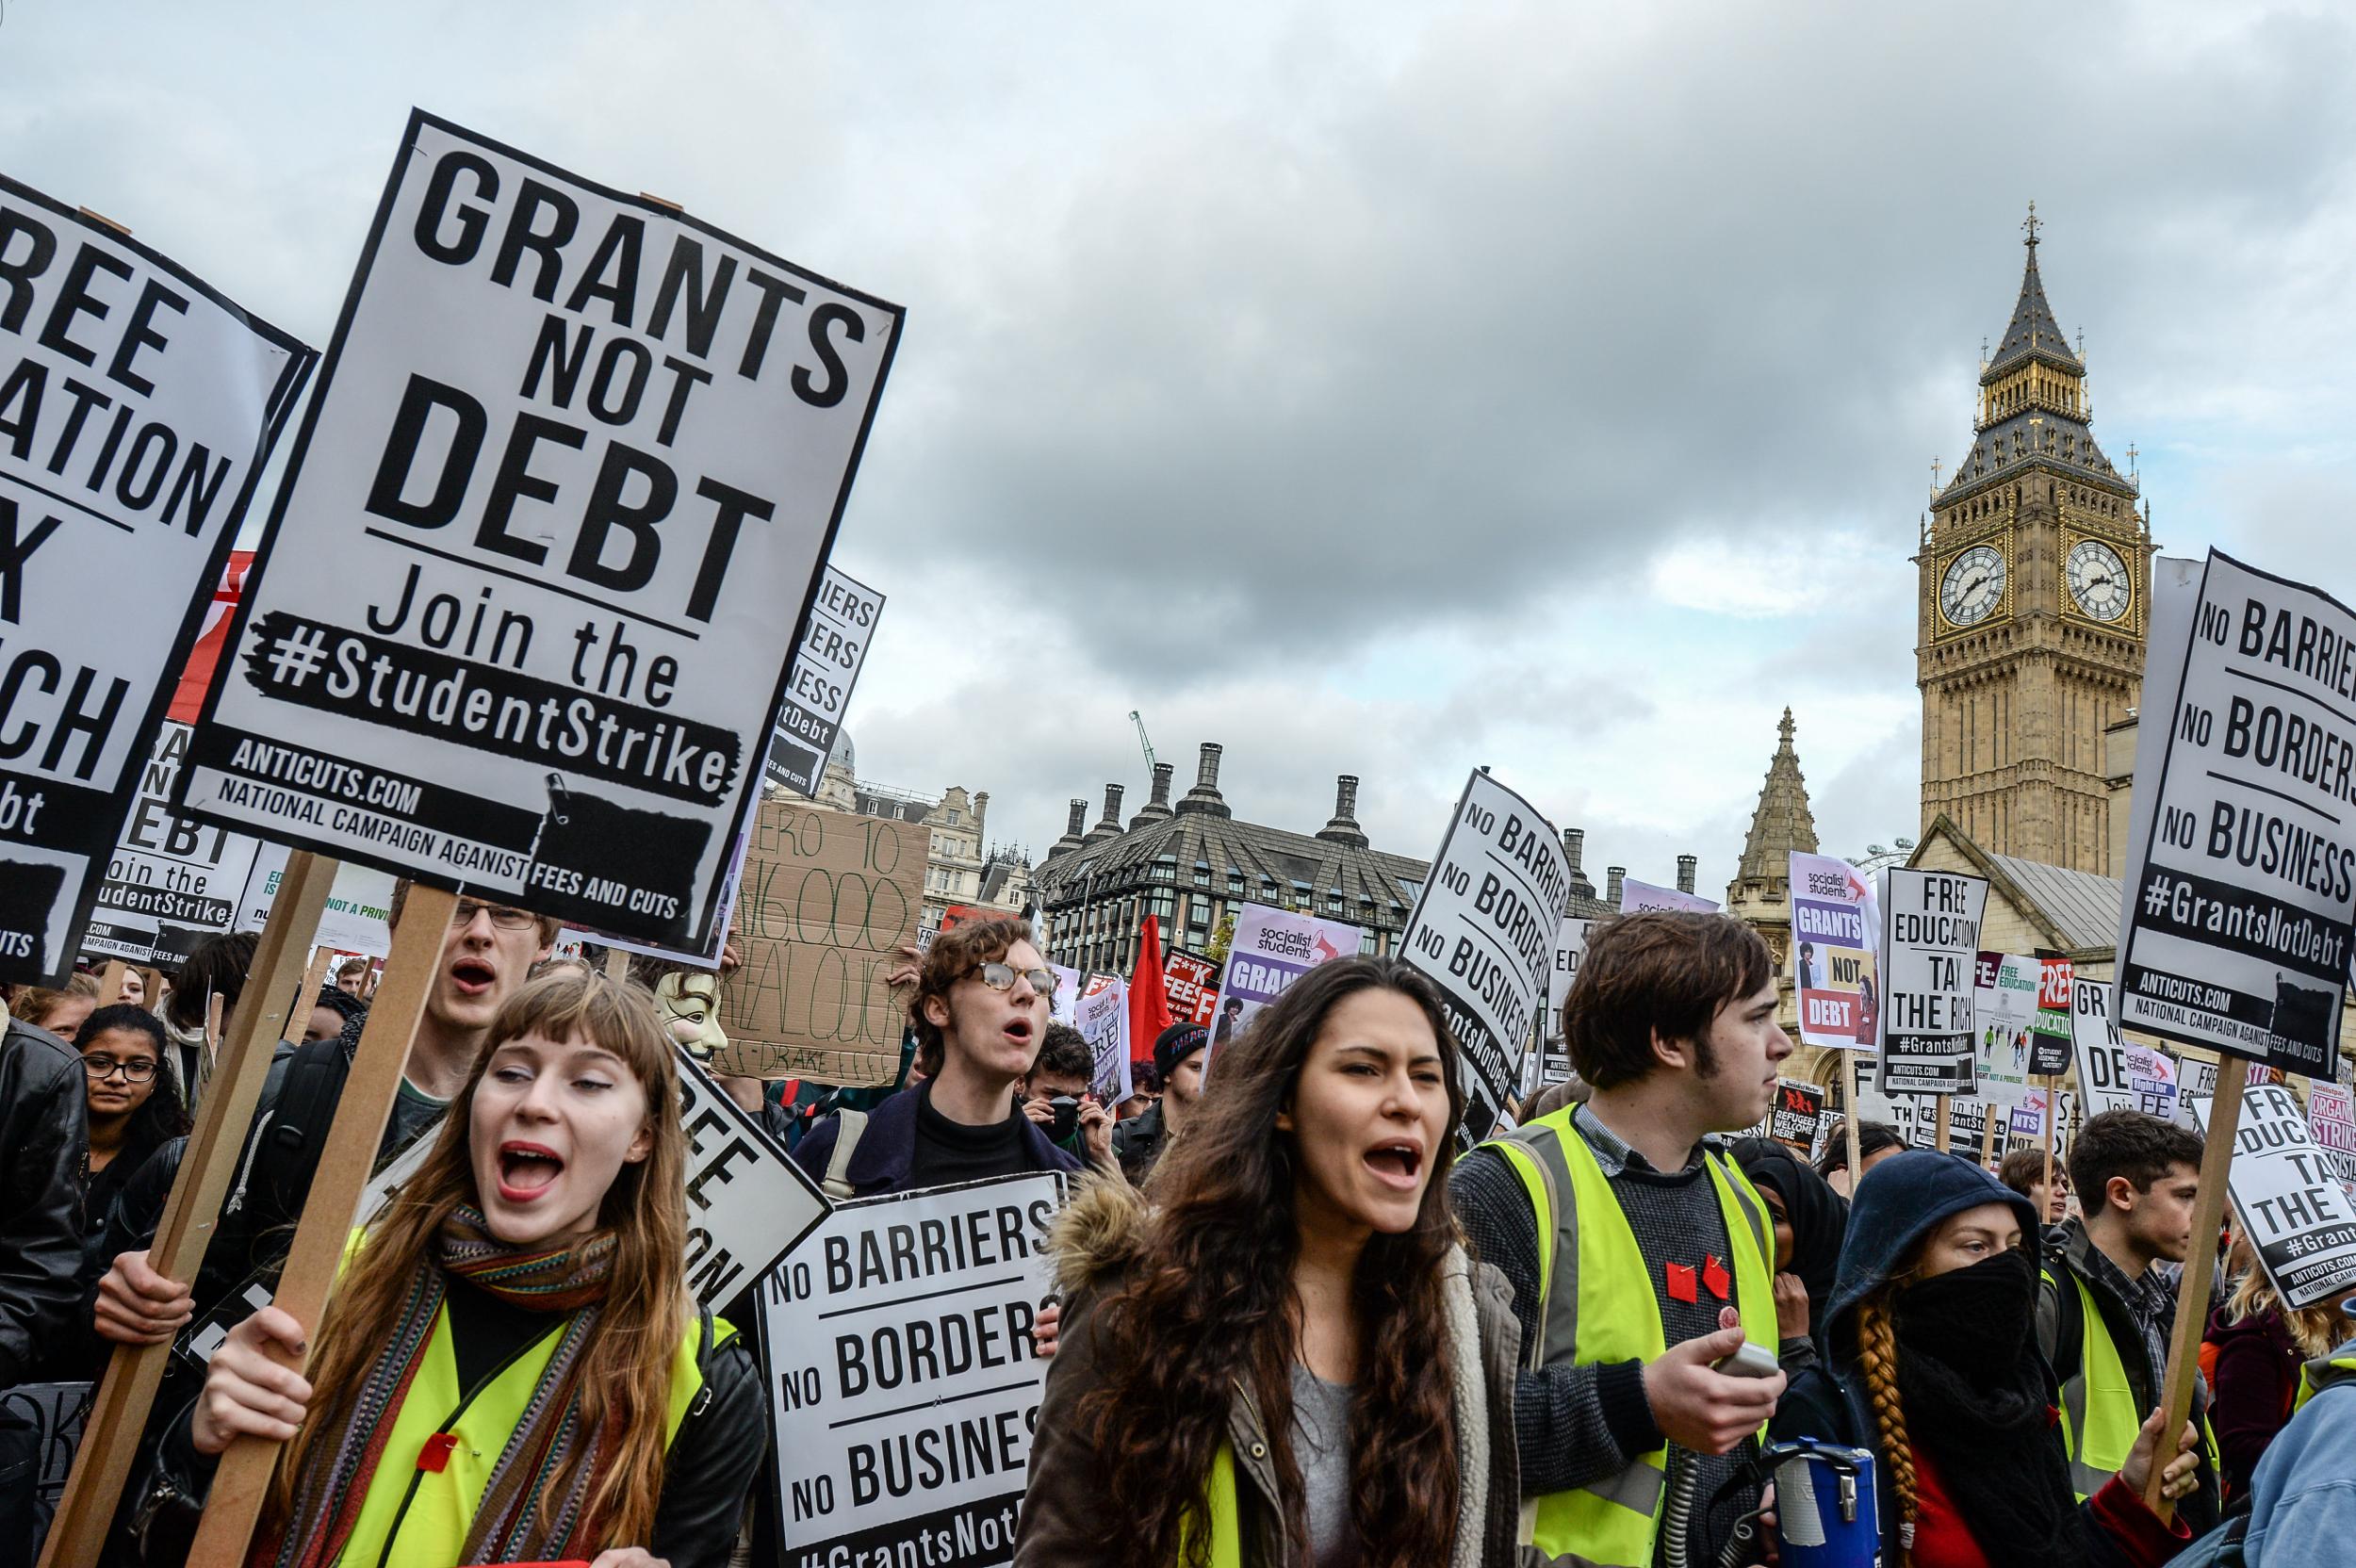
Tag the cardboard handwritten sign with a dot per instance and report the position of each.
(827, 900)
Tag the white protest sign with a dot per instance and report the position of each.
(1636, 896)
(842, 624)
(2115, 1074)
(2005, 992)
(1484, 929)
(530, 595)
(1063, 1006)
(1102, 1015)
(1930, 945)
(359, 907)
(2241, 896)
(167, 870)
(903, 1375)
(747, 1204)
(1270, 950)
(1835, 929)
(1570, 946)
(2332, 1122)
(138, 407)
(2298, 1219)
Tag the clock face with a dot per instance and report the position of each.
(2098, 579)
(1972, 585)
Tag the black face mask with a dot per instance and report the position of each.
(1979, 1316)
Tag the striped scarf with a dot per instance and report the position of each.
(518, 1519)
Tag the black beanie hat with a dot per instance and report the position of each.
(1174, 1045)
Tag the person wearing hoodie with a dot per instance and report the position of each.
(2302, 1506)
(1287, 1361)
(2260, 1352)
(1810, 1220)
(1930, 1363)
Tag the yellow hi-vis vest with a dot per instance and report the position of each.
(2319, 1374)
(421, 1516)
(1596, 1302)
(2099, 1418)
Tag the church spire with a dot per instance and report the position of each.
(1783, 822)
(2033, 333)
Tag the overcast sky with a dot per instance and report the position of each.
(1374, 389)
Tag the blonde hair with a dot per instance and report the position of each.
(2317, 1328)
(624, 1372)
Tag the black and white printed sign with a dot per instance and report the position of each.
(138, 407)
(2241, 896)
(2288, 1195)
(1798, 1109)
(1570, 947)
(903, 1375)
(524, 614)
(1930, 944)
(167, 874)
(747, 1204)
(842, 625)
(1484, 929)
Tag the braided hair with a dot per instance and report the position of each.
(1878, 1358)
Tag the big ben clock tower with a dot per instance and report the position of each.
(2034, 569)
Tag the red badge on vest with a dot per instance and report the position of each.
(1714, 1276)
(435, 1454)
(1680, 1278)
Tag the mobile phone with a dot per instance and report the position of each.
(1750, 1360)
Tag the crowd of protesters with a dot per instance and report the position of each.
(1294, 1326)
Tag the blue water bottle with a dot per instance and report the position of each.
(1826, 1511)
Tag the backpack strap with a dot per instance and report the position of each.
(849, 1127)
(287, 1154)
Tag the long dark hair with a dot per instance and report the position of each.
(1209, 1307)
(161, 1117)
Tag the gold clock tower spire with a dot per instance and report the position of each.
(2033, 570)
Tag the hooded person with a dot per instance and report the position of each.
(1930, 1362)
(1139, 1142)
(1810, 1221)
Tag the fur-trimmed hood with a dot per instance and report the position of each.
(1099, 1234)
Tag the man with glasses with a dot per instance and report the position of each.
(485, 956)
(980, 1012)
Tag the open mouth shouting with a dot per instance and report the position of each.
(526, 1171)
(1397, 1163)
(1019, 1032)
(472, 975)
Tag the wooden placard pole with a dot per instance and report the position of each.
(2052, 1114)
(617, 963)
(1849, 1106)
(346, 1161)
(133, 1374)
(152, 989)
(110, 982)
(2192, 1291)
(1988, 1136)
(314, 979)
(1938, 1128)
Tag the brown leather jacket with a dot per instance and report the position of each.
(1064, 1520)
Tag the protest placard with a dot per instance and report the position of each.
(1192, 982)
(167, 872)
(137, 408)
(2050, 1035)
(903, 1379)
(582, 457)
(1799, 1108)
(1635, 896)
(2115, 1074)
(1930, 948)
(1064, 1008)
(2298, 1217)
(2243, 893)
(1100, 1014)
(1570, 947)
(2005, 993)
(1271, 948)
(359, 910)
(747, 1204)
(1834, 928)
(2332, 1122)
(842, 622)
(826, 900)
(1484, 929)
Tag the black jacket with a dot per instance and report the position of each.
(44, 1144)
(1139, 1142)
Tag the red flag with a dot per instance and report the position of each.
(1149, 992)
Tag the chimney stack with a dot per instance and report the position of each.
(1686, 864)
(1344, 828)
(1204, 796)
(1612, 877)
(1074, 828)
(1110, 826)
(1574, 850)
(1158, 807)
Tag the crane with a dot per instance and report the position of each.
(1135, 719)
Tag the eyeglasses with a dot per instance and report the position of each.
(1000, 977)
(106, 1067)
(504, 917)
